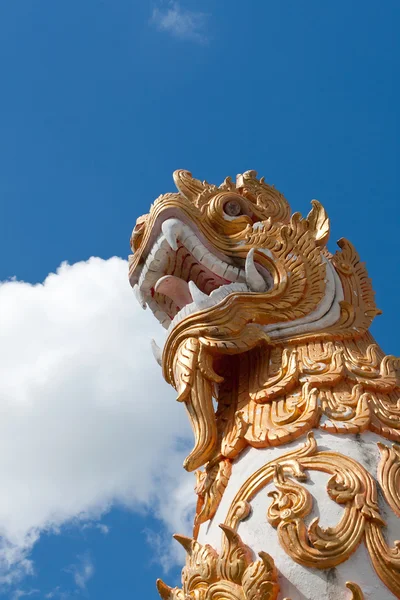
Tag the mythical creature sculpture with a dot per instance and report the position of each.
(263, 319)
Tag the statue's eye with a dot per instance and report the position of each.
(232, 208)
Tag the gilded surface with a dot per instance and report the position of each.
(306, 357)
(349, 485)
(232, 576)
(389, 475)
(262, 318)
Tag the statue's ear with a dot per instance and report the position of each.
(319, 223)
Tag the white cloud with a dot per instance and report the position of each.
(87, 422)
(58, 593)
(104, 529)
(83, 571)
(17, 594)
(180, 22)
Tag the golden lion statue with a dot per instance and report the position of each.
(264, 321)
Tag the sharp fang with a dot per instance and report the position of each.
(157, 353)
(139, 296)
(254, 279)
(199, 298)
(171, 229)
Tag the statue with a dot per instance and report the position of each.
(293, 405)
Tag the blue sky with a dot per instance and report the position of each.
(100, 101)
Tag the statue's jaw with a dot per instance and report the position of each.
(182, 274)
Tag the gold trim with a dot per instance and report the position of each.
(349, 485)
(231, 576)
(210, 486)
(389, 475)
(338, 386)
(356, 591)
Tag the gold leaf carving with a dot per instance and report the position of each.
(231, 576)
(356, 591)
(279, 363)
(389, 475)
(235, 557)
(191, 188)
(386, 560)
(184, 367)
(194, 377)
(319, 223)
(289, 502)
(349, 485)
(210, 487)
(358, 307)
(283, 393)
(282, 382)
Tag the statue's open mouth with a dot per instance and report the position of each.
(182, 274)
(225, 270)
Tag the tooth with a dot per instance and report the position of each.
(219, 267)
(157, 353)
(208, 260)
(171, 229)
(139, 296)
(199, 252)
(232, 273)
(200, 299)
(254, 279)
(191, 242)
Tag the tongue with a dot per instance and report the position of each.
(175, 288)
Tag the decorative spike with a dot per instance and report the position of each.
(236, 556)
(230, 533)
(254, 279)
(188, 186)
(157, 352)
(319, 223)
(163, 589)
(227, 184)
(268, 562)
(241, 177)
(184, 541)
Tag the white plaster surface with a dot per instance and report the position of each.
(297, 582)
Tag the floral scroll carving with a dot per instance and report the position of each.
(339, 387)
(233, 575)
(349, 485)
(389, 475)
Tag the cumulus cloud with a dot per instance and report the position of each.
(87, 422)
(180, 22)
